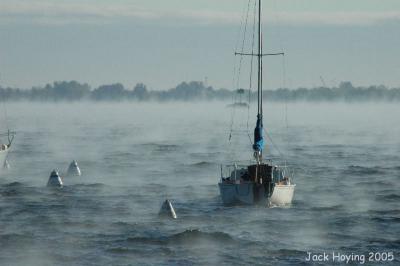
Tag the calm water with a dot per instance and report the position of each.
(346, 160)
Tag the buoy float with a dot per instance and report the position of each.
(55, 180)
(167, 210)
(73, 169)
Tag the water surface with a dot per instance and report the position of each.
(133, 156)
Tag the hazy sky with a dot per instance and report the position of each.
(162, 43)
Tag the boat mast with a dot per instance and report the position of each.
(258, 145)
(258, 131)
(259, 55)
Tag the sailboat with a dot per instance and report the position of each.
(260, 181)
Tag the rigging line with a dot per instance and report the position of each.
(251, 68)
(286, 106)
(274, 145)
(5, 109)
(277, 19)
(240, 62)
(243, 43)
(286, 94)
(239, 33)
(284, 75)
(232, 116)
(6, 115)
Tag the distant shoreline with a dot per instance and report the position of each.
(195, 91)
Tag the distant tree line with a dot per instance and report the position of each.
(194, 91)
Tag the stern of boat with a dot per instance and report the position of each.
(282, 195)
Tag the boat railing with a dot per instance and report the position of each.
(233, 172)
(285, 172)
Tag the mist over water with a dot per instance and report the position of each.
(133, 156)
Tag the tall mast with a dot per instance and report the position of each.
(258, 145)
(260, 111)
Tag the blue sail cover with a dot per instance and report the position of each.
(258, 145)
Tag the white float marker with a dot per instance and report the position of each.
(55, 180)
(73, 169)
(167, 210)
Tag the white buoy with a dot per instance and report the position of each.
(6, 165)
(167, 210)
(73, 169)
(55, 180)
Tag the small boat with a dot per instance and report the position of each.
(240, 103)
(259, 181)
(55, 180)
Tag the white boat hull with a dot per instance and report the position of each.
(244, 194)
(282, 195)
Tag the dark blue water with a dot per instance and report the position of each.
(346, 160)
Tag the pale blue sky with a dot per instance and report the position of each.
(162, 43)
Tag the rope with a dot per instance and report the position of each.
(234, 71)
(243, 43)
(284, 77)
(5, 110)
(274, 145)
(238, 74)
(251, 69)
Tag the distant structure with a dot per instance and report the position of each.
(239, 103)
